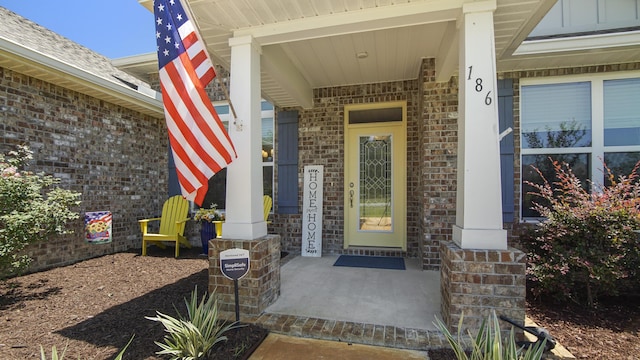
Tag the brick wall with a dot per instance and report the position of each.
(321, 142)
(431, 155)
(117, 159)
(474, 282)
(261, 285)
(439, 149)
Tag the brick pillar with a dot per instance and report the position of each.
(475, 281)
(260, 287)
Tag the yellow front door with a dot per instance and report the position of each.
(375, 175)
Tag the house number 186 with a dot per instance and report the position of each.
(479, 87)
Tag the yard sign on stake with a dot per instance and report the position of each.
(234, 264)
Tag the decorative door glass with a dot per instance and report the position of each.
(375, 183)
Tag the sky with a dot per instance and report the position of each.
(113, 28)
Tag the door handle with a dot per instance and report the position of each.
(351, 195)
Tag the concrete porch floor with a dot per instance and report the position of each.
(313, 287)
(393, 308)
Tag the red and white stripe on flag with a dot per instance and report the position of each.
(201, 146)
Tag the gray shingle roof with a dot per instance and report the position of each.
(28, 34)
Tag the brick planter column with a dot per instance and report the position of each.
(260, 287)
(475, 281)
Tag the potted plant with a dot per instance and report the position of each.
(211, 220)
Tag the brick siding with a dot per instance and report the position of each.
(431, 156)
(96, 149)
(474, 282)
(115, 157)
(321, 142)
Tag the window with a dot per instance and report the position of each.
(218, 183)
(582, 121)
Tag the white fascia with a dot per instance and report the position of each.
(589, 42)
(150, 100)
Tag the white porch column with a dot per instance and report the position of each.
(479, 204)
(244, 215)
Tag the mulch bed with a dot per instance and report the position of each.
(611, 330)
(95, 306)
(241, 343)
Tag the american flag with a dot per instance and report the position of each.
(201, 146)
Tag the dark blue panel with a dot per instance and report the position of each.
(507, 150)
(287, 162)
(174, 185)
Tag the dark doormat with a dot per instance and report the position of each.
(374, 262)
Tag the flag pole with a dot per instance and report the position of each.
(226, 94)
(224, 87)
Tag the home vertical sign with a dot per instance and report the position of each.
(312, 211)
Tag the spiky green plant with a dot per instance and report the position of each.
(193, 337)
(55, 356)
(121, 353)
(488, 344)
(54, 353)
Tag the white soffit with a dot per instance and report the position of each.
(315, 43)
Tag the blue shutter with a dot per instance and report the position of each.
(507, 150)
(174, 185)
(287, 162)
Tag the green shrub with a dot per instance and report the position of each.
(193, 337)
(488, 343)
(586, 246)
(32, 208)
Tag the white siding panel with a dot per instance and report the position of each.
(576, 16)
(581, 15)
(619, 11)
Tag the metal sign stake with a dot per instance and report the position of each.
(235, 284)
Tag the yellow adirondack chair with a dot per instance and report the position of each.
(174, 218)
(268, 203)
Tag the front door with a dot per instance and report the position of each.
(375, 175)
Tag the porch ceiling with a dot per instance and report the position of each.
(324, 43)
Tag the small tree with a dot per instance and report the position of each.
(587, 245)
(32, 208)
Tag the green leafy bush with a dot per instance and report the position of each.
(32, 208)
(586, 246)
(193, 337)
(488, 343)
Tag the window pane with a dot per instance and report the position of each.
(556, 115)
(622, 112)
(375, 190)
(579, 164)
(217, 192)
(222, 109)
(375, 115)
(267, 180)
(621, 163)
(267, 139)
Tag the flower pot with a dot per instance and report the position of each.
(207, 232)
